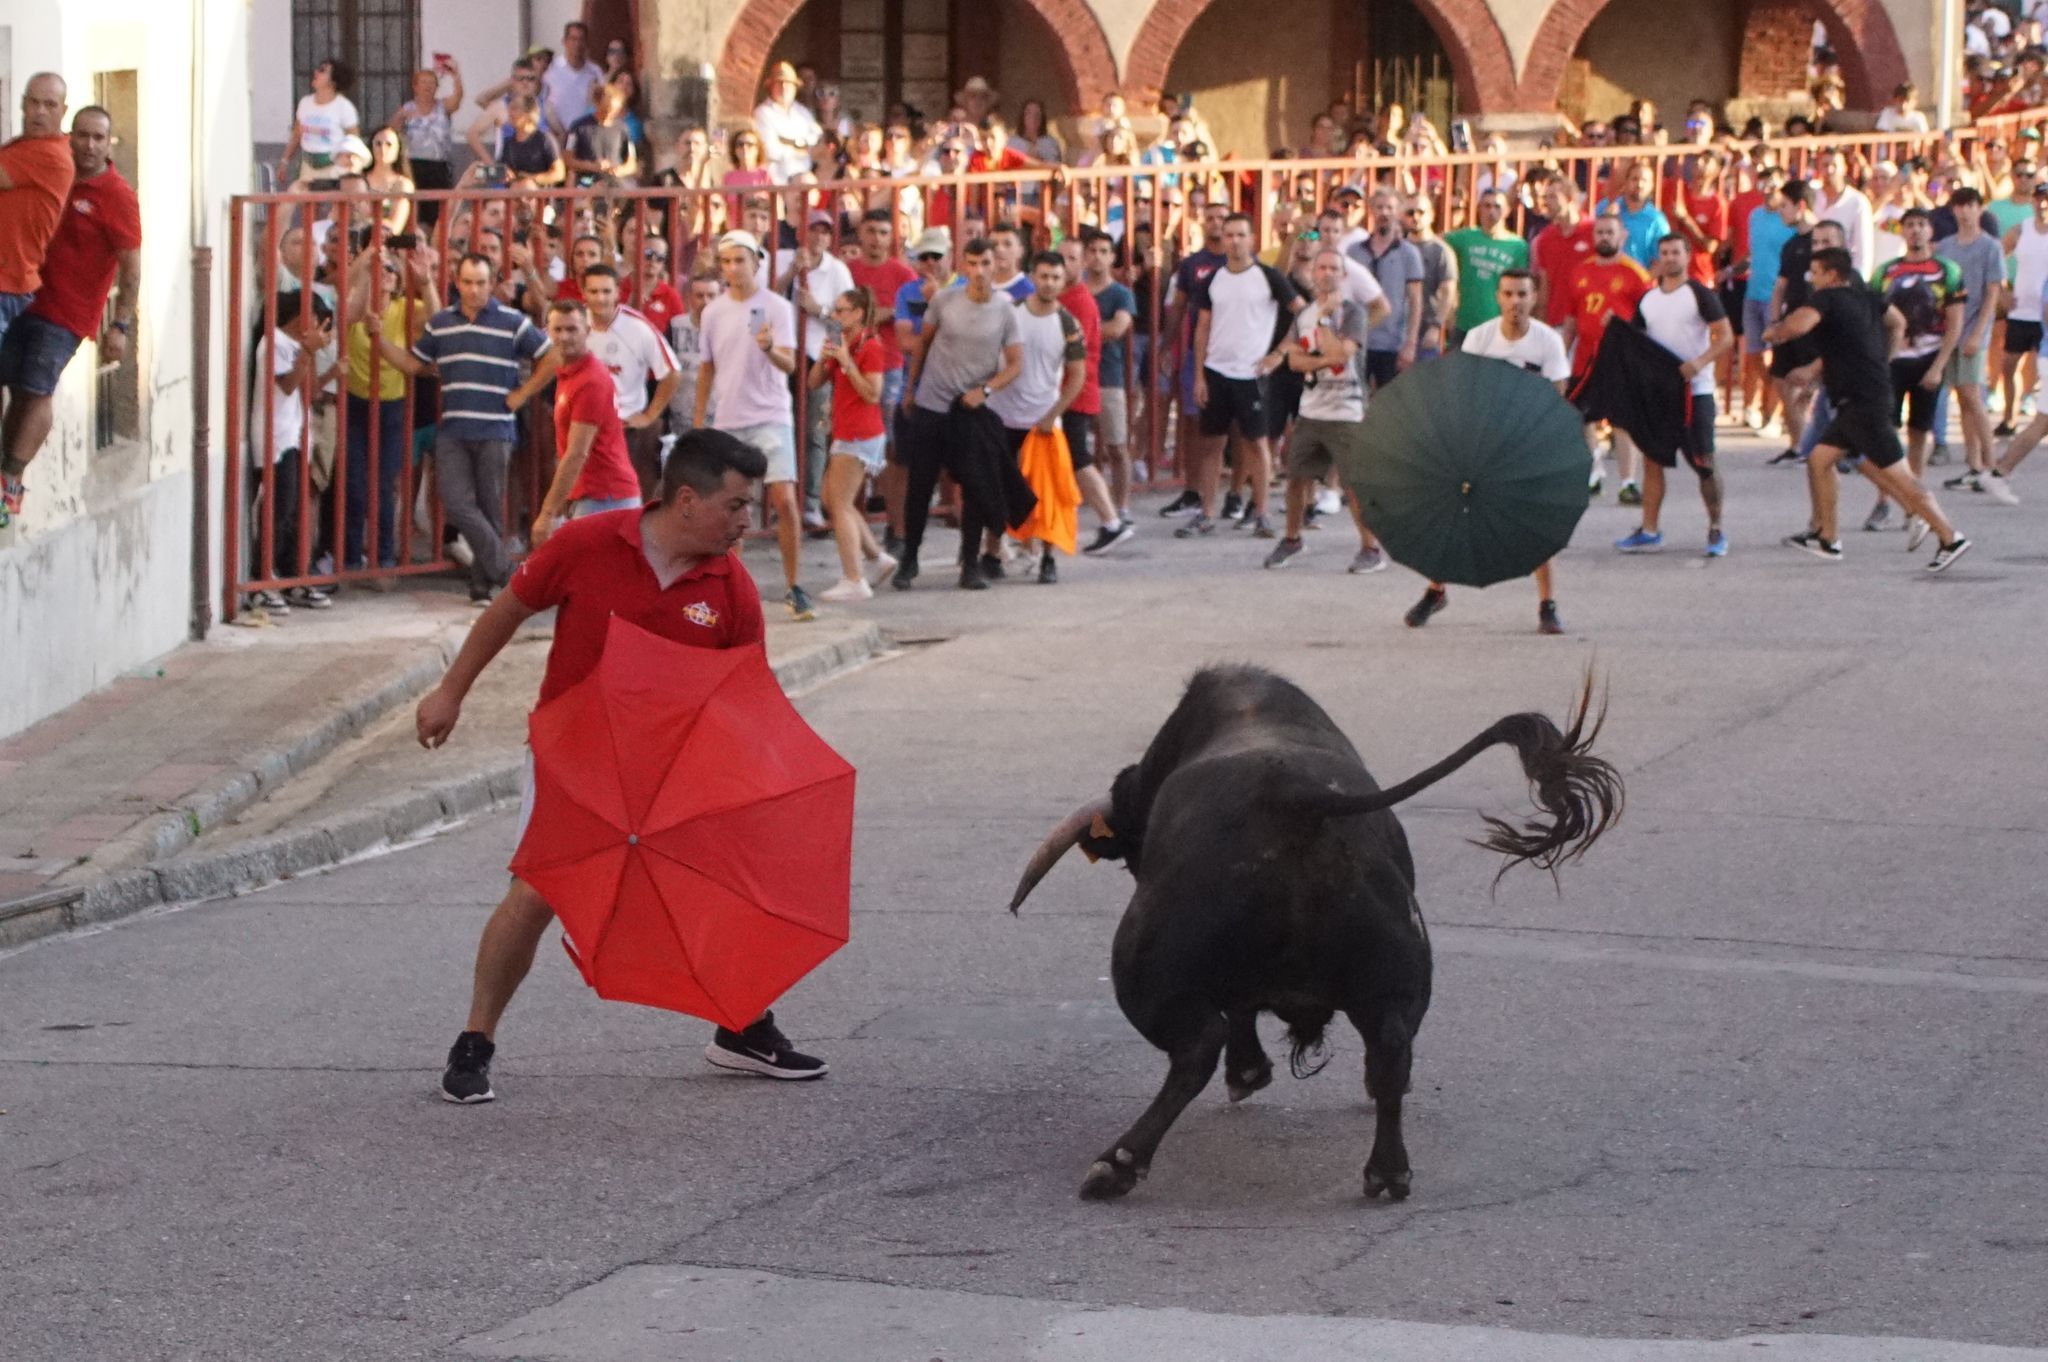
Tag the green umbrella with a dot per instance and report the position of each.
(1470, 470)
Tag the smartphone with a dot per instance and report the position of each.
(495, 176)
(1461, 135)
(402, 241)
(441, 60)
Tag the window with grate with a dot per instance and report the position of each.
(379, 39)
(117, 388)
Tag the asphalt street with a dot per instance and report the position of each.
(1762, 1077)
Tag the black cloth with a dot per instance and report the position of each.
(533, 155)
(1635, 383)
(1855, 353)
(1792, 266)
(970, 443)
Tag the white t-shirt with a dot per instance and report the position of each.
(569, 92)
(1333, 394)
(634, 352)
(778, 128)
(1891, 120)
(1540, 349)
(1853, 211)
(323, 127)
(824, 281)
(1242, 318)
(1680, 320)
(287, 410)
(746, 388)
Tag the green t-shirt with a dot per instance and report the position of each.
(2008, 215)
(1482, 259)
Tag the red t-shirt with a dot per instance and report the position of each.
(1747, 202)
(662, 306)
(585, 394)
(101, 219)
(1079, 301)
(1557, 253)
(853, 416)
(40, 168)
(596, 567)
(1710, 213)
(1010, 159)
(1600, 290)
(884, 281)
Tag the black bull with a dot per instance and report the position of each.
(1273, 876)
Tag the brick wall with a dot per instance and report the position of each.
(1777, 44)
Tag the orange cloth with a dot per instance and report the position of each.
(41, 170)
(1049, 468)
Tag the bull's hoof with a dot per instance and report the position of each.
(1242, 1083)
(1110, 1178)
(1395, 1185)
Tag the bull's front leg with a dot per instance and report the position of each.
(1193, 1042)
(1245, 1066)
(1389, 1055)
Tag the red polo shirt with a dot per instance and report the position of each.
(597, 567)
(1079, 301)
(41, 170)
(884, 281)
(101, 220)
(584, 393)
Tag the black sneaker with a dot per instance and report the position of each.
(972, 580)
(799, 602)
(1547, 621)
(1109, 536)
(906, 571)
(1048, 570)
(1180, 505)
(1433, 600)
(761, 1049)
(892, 544)
(1785, 456)
(1828, 551)
(2003, 430)
(467, 1079)
(1233, 506)
(1968, 480)
(1946, 555)
(992, 567)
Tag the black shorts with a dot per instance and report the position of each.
(1731, 302)
(1236, 403)
(1908, 397)
(1382, 367)
(1792, 354)
(1697, 442)
(2021, 338)
(1077, 428)
(1865, 428)
(1283, 400)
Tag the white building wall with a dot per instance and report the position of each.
(95, 577)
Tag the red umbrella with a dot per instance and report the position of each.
(690, 830)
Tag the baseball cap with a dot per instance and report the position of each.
(736, 237)
(820, 218)
(933, 241)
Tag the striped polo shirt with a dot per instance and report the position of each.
(478, 363)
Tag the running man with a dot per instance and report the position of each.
(1854, 329)
(1928, 292)
(1685, 317)
(670, 568)
(1518, 338)
(749, 353)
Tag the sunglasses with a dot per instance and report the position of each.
(661, 256)
(1311, 235)
(931, 255)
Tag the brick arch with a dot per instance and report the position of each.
(1088, 71)
(1860, 31)
(1472, 40)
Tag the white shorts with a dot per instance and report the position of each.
(1116, 416)
(874, 452)
(778, 443)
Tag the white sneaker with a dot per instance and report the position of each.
(459, 552)
(847, 589)
(2000, 488)
(1917, 531)
(885, 568)
(1328, 502)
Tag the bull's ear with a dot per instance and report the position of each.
(1115, 838)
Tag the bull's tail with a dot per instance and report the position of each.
(1580, 795)
(1307, 1050)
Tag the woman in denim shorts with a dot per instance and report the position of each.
(855, 365)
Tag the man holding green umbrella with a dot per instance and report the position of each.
(1514, 337)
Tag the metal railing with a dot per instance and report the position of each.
(1148, 208)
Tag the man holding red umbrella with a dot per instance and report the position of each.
(670, 569)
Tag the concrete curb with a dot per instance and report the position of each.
(245, 866)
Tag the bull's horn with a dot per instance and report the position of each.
(1056, 845)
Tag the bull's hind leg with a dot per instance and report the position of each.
(1245, 1066)
(1193, 1041)
(1389, 1052)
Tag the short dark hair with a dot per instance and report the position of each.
(1795, 189)
(1010, 228)
(1048, 258)
(341, 73)
(290, 304)
(1673, 236)
(1916, 214)
(1965, 195)
(976, 245)
(881, 215)
(575, 26)
(92, 109)
(701, 458)
(568, 305)
(475, 258)
(1245, 218)
(606, 270)
(1508, 274)
(1836, 260)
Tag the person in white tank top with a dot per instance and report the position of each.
(2027, 246)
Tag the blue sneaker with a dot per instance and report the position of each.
(1642, 541)
(1717, 544)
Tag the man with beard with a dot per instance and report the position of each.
(1604, 286)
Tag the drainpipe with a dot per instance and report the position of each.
(1948, 58)
(201, 618)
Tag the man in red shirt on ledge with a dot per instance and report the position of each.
(594, 470)
(670, 568)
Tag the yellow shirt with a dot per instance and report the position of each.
(390, 378)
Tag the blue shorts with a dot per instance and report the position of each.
(599, 505)
(33, 354)
(872, 452)
(1756, 318)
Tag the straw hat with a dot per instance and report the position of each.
(780, 72)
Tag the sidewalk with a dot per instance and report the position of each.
(260, 729)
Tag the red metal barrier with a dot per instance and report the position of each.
(1147, 207)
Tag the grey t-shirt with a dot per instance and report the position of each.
(1395, 268)
(1438, 264)
(1983, 265)
(968, 348)
(1332, 394)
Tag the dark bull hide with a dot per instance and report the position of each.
(1273, 876)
